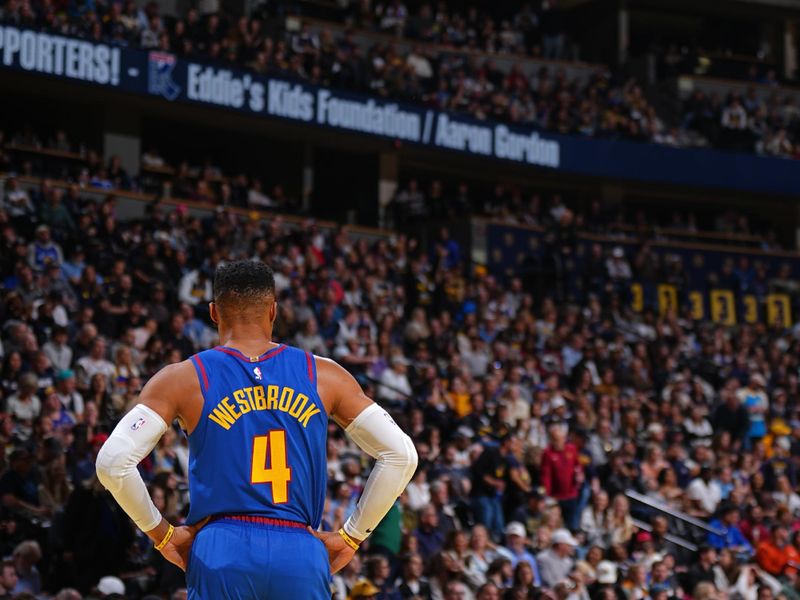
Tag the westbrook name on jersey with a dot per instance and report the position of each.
(259, 446)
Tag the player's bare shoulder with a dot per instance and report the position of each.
(339, 391)
(174, 392)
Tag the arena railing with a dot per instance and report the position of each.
(687, 84)
(675, 539)
(133, 205)
(677, 515)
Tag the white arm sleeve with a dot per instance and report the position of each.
(133, 438)
(378, 435)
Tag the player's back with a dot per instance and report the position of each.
(257, 459)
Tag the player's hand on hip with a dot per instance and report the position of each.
(177, 549)
(339, 553)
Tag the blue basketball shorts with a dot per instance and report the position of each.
(234, 560)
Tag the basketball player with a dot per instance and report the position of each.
(256, 413)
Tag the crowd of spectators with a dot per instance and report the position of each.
(418, 201)
(415, 202)
(598, 104)
(749, 123)
(532, 417)
(27, 155)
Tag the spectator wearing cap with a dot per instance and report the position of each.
(517, 549)
(562, 474)
(68, 395)
(557, 562)
(733, 539)
(43, 251)
(58, 350)
(110, 585)
(754, 399)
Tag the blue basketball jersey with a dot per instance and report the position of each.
(260, 445)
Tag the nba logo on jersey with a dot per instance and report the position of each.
(139, 422)
(257, 373)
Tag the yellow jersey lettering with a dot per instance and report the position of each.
(297, 406)
(238, 395)
(221, 417)
(310, 412)
(286, 399)
(261, 399)
(231, 409)
(249, 392)
(272, 397)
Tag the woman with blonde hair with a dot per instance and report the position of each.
(124, 368)
(620, 523)
(481, 553)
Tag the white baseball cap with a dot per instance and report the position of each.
(516, 528)
(111, 585)
(606, 572)
(563, 536)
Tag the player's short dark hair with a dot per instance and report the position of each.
(243, 283)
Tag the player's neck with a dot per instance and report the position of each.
(248, 339)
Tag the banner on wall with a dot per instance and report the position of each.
(173, 79)
(721, 306)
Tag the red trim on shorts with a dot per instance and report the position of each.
(258, 520)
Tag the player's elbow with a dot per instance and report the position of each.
(111, 464)
(411, 455)
(405, 458)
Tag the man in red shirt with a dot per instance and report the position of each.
(562, 474)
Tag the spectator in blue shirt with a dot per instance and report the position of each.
(733, 539)
(429, 538)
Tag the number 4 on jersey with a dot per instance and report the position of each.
(278, 472)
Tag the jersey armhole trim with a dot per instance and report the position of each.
(312, 369)
(201, 373)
